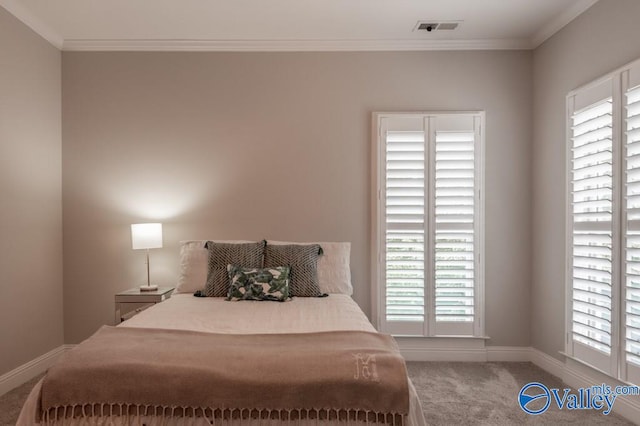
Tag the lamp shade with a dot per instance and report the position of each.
(146, 236)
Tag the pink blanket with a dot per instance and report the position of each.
(169, 373)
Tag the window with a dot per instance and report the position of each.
(603, 225)
(428, 223)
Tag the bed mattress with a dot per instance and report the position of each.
(215, 315)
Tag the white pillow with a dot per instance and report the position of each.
(194, 259)
(334, 272)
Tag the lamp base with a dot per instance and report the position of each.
(148, 287)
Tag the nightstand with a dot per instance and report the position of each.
(133, 301)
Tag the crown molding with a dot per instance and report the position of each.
(560, 21)
(17, 9)
(290, 45)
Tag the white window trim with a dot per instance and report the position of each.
(378, 235)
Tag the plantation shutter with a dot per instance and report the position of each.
(455, 251)
(603, 251)
(631, 138)
(592, 227)
(405, 225)
(428, 206)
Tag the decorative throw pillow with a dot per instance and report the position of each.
(334, 273)
(223, 254)
(303, 261)
(258, 283)
(194, 258)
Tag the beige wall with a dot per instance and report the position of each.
(271, 145)
(597, 42)
(30, 191)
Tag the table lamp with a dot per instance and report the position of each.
(146, 236)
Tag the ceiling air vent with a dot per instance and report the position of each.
(437, 26)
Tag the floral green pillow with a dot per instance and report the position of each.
(258, 283)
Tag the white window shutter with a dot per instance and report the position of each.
(603, 224)
(631, 302)
(428, 212)
(405, 225)
(455, 254)
(592, 238)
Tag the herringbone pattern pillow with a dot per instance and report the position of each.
(222, 254)
(303, 261)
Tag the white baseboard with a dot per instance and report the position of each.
(508, 353)
(31, 369)
(463, 351)
(579, 375)
(547, 363)
(444, 354)
(442, 349)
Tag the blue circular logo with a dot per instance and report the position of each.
(534, 394)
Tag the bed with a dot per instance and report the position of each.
(215, 316)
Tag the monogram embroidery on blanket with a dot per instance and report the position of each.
(366, 367)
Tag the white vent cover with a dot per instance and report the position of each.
(430, 26)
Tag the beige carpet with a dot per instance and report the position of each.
(455, 393)
(451, 394)
(11, 402)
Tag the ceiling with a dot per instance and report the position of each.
(281, 25)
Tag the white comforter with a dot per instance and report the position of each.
(215, 315)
